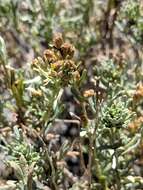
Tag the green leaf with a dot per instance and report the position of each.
(83, 76)
(17, 170)
(3, 52)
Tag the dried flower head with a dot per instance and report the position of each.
(67, 49)
(60, 64)
(58, 40)
(49, 55)
(139, 92)
(135, 125)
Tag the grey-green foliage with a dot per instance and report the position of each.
(2, 50)
(115, 115)
(24, 160)
(75, 21)
(131, 20)
(20, 147)
(109, 71)
(114, 142)
(130, 9)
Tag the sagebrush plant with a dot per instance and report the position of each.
(103, 135)
(131, 14)
(72, 118)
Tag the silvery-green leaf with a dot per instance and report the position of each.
(132, 144)
(131, 179)
(114, 164)
(55, 104)
(2, 50)
(17, 170)
(8, 187)
(16, 132)
(33, 81)
(83, 133)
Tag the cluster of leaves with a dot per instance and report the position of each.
(132, 20)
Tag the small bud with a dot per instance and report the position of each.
(58, 40)
(89, 93)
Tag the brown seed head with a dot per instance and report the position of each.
(139, 92)
(58, 40)
(136, 124)
(71, 51)
(67, 49)
(49, 55)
